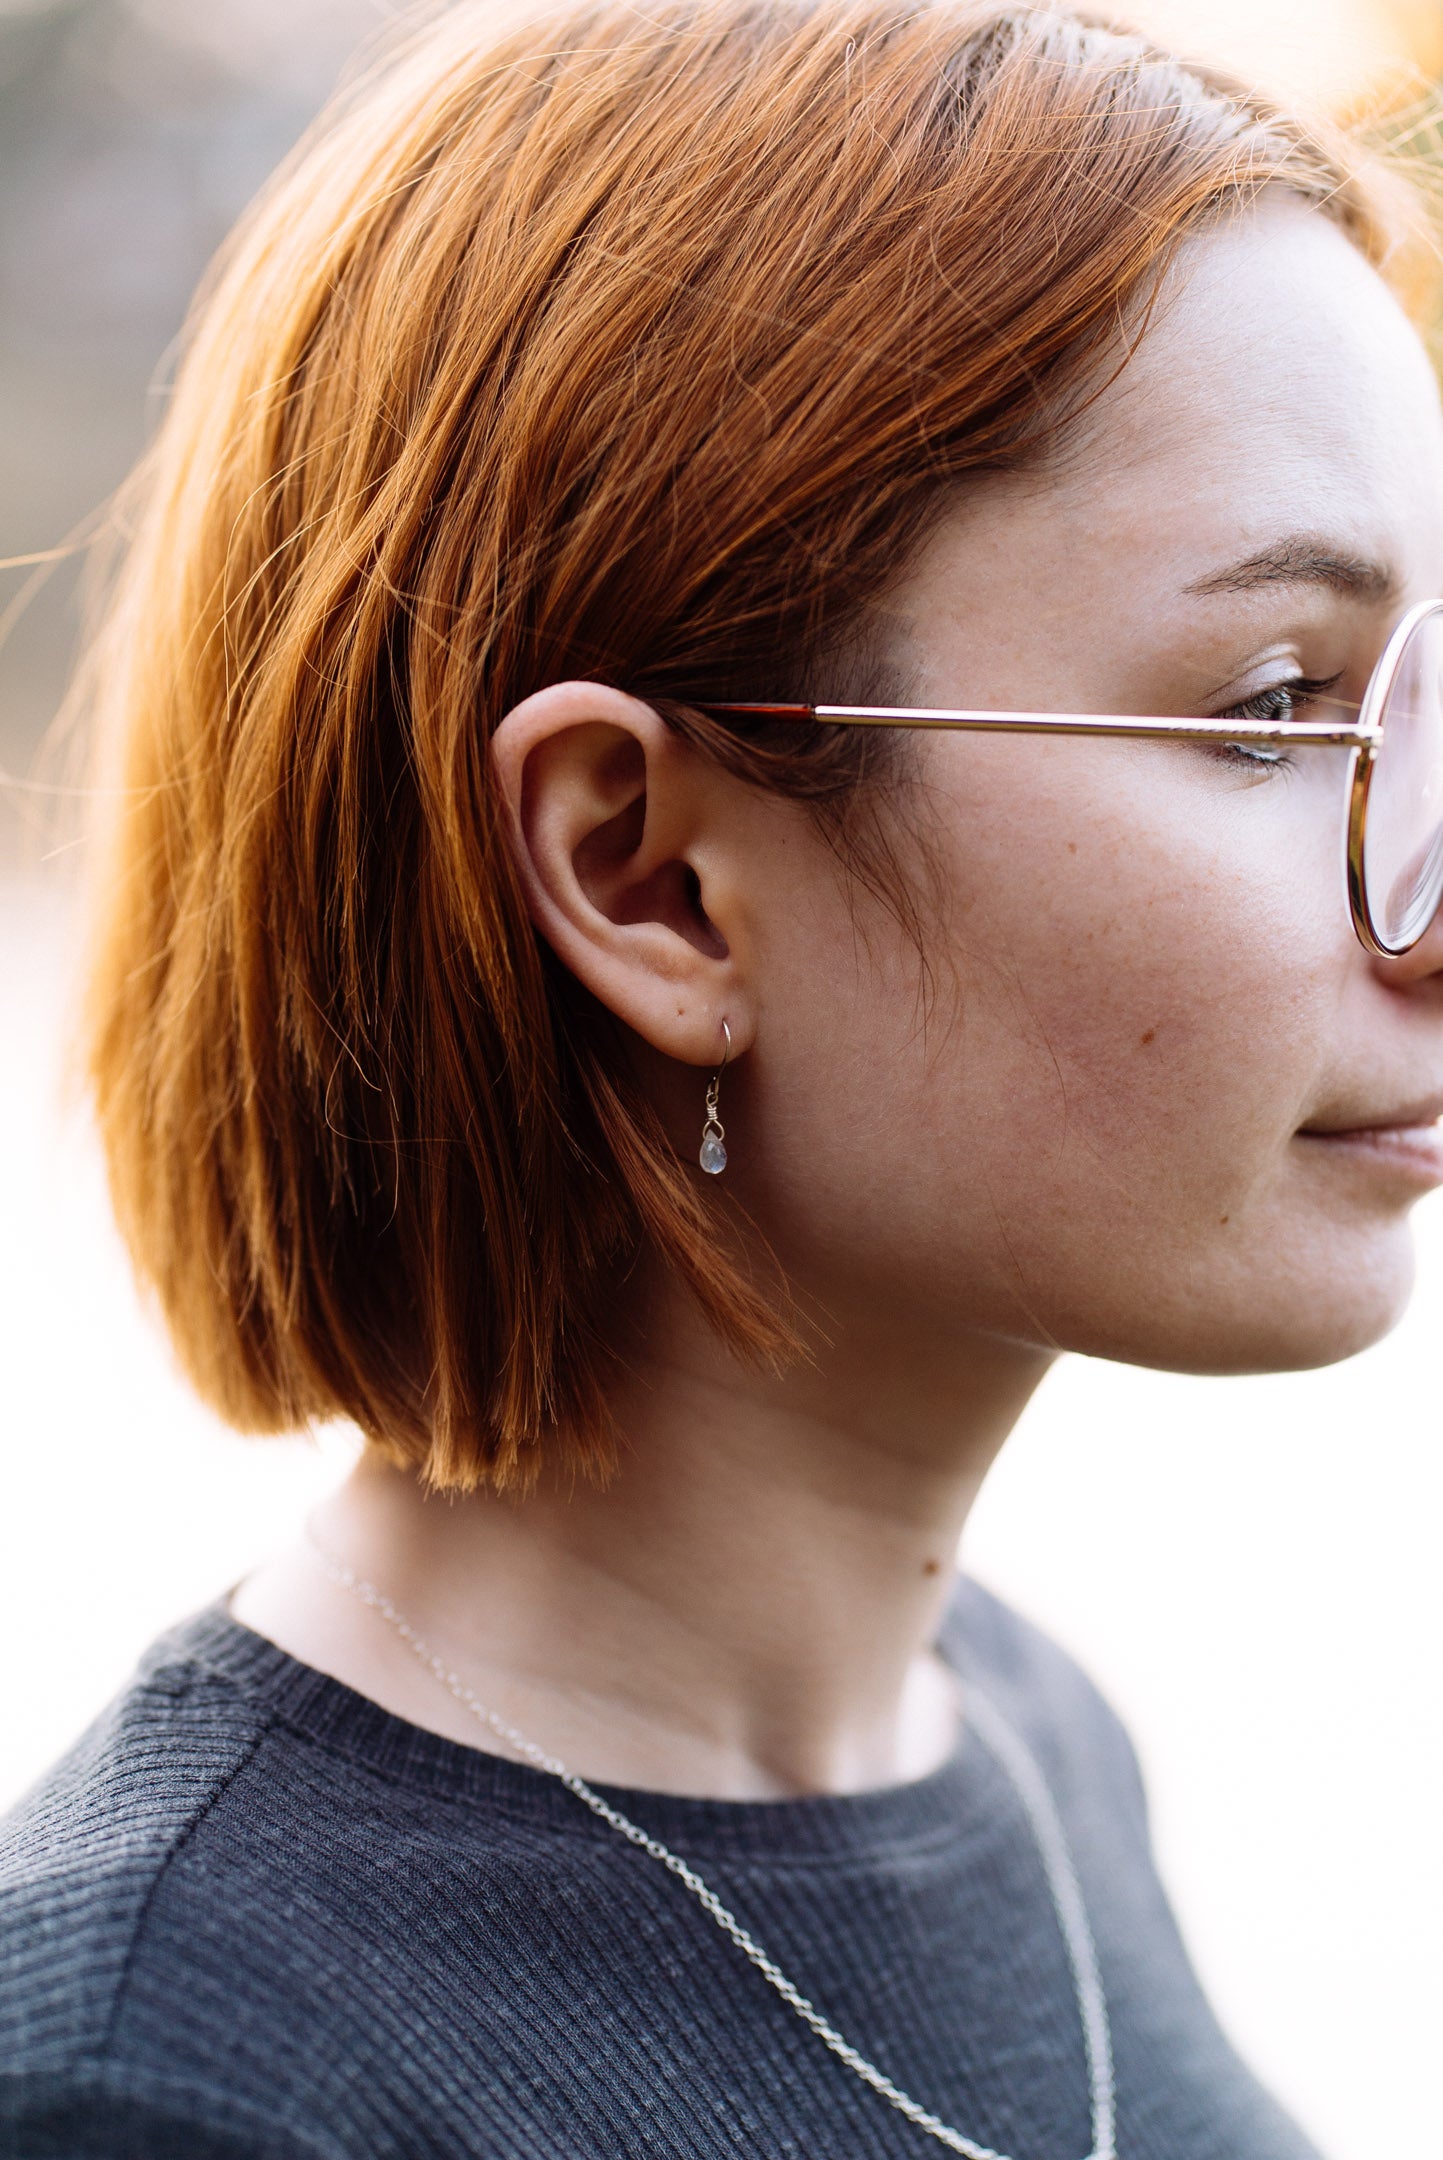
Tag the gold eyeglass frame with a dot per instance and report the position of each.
(1364, 737)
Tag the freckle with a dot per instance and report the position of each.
(1150, 1036)
(1224, 1219)
(1072, 847)
(930, 1567)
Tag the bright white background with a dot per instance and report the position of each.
(1249, 1567)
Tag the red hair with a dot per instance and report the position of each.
(639, 345)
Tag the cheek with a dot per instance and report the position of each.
(1154, 1043)
(1156, 959)
(1146, 988)
(1084, 1134)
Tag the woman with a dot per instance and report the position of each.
(681, 1137)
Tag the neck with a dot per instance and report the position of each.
(748, 1608)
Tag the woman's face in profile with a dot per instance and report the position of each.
(1147, 990)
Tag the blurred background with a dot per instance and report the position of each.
(1250, 1568)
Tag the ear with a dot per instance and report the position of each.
(631, 858)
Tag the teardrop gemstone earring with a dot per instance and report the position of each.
(713, 1156)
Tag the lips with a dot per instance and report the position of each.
(1411, 1117)
(1404, 1149)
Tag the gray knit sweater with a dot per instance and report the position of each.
(252, 1914)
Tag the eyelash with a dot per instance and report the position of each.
(1263, 705)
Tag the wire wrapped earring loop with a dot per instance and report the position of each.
(713, 1156)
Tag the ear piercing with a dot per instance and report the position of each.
(713, 1157)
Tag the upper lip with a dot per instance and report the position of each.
(1426, 1111)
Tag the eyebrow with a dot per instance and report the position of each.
(1301, 559)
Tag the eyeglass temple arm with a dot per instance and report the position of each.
(1028, 723)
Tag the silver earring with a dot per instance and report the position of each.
(713, 1155)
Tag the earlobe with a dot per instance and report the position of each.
(619, 834)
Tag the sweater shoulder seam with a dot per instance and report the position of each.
(265, 1721)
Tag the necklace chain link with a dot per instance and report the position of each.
(1037, 1803)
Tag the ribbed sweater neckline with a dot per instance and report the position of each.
(824, 1826)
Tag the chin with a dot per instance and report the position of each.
(1299, 1325)
(1292, 1304)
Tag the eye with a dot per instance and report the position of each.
(1280, 701)
(1274, 704)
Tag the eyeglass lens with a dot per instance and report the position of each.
(1403, 833)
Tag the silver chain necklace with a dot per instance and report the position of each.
(1037, 1803)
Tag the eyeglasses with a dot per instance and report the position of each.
(1394, 860)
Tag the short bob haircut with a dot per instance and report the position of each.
(636, 344)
